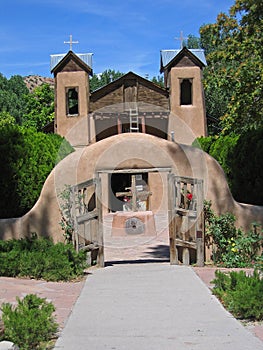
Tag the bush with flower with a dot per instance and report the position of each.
(231, 247)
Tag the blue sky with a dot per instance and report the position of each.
(123, 35)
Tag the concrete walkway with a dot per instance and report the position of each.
(153, 307)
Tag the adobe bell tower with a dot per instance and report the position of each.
(183, 79)
(71, 72)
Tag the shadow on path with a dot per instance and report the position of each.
(159, 253)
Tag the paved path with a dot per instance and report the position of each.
(153, 247)
(151, 306)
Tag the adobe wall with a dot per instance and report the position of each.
(64, 125)
(193, 115)
(127, 151)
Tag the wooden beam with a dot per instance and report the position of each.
(134, 197)
(122, 194)
(134, 171)
(84, 184)
(186, 244)
(87, 216)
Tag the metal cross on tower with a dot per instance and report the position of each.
(181, 38)
(70, 42)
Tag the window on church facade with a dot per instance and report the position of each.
(186, 92)
(72, 97)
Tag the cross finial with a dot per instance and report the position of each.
(70, 42)
(181, 38)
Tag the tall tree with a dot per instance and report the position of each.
(159, 80)
(192, 42)
(233, 79)
(106, 77)
(39, 107)
(12, 96)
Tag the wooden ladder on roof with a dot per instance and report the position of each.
(134, 120)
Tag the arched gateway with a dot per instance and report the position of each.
(183, 200)
(179, 176)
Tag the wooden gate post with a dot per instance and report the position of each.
(200, 248)
(100, 260)
(171, 218)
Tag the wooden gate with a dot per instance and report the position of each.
(86, 213)
(186, 220)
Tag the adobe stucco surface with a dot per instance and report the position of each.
(127, 151)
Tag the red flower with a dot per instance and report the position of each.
(189, 196)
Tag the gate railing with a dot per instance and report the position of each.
(87, 219)
(186, 220)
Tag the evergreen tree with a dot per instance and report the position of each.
(26, 159)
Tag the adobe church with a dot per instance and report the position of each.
(130, 104)
(133, 161)
(121, 106)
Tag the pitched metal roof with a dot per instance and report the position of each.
(85, 57)
(168, 55)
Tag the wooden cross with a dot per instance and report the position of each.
(70, 42)
(134, 194)
(181, 38)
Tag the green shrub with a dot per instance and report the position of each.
(26, 159)
(204, 143)
(230, 246)
(241, 159)
(30, 324)
(221, 148)
(247, 168)
(41, 258)
(242, 295)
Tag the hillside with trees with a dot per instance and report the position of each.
(33, 81)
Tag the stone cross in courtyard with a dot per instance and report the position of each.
(70, 42)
